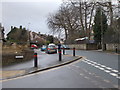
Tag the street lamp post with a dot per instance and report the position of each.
(28, 35)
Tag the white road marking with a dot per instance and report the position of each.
(107, 71)
(103, 68)
(81, 74)
(89, 63)
(86, 77)
(93, 64)
(118, 77)
(87, 59)
(109, 68)
(106, 81)
(115, 71)
(84, 61)
(113, 74)
(97, 66)
(90, 73)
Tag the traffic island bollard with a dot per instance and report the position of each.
(74, 51)
(63, 51)
(35, 60)
(59, 52)
(60, 56)
(116, 49)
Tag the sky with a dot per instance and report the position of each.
(31, 14)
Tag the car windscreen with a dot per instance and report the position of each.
(43, 46)
(51, 46)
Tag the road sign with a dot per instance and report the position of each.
(19, 57)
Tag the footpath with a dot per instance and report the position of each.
(45, 62)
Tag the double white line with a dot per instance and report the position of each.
(104, 68)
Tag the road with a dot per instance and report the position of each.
(94, 70)
(103, 64)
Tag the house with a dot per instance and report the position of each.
(83, 40)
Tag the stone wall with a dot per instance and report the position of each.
(9, 52)
(109, 47)
(112, 47)
(84, 46)
(78, 46)
(91, 46)
(9, 58)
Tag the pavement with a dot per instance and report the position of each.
(14, 71)
(109, 52)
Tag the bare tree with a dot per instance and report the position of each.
(75, 17)
(65, 19)
(85, 10)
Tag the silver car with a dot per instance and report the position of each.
(51, 49)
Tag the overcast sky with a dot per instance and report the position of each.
(31, 14)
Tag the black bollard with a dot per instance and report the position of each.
(35, 60)
(74, 51)
(60, 57)
(59, 52)
(116, 49)
(63, 51)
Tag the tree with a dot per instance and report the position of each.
(66, 20)
(85, 11)
(50, 39)
(76, 18)
(100, 25)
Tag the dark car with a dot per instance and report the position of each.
(51, 49)
(43, 48)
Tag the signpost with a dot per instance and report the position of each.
(19, 57)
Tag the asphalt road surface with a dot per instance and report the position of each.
(94, 70)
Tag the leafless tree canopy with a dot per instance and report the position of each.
(75, 18)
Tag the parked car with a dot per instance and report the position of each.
(52, 44)
(34, 46)
(51, 49)
(43, 48)
(65, 47)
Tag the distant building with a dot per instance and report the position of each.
(1, 34)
